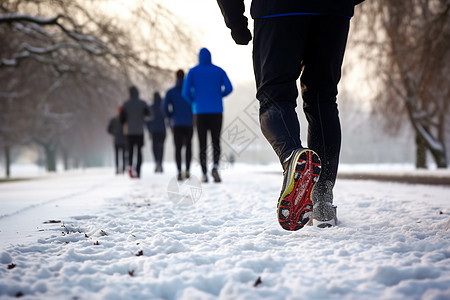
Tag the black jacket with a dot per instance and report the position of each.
(116, 130)
(233, 10)
(157, 122)
(133, 114)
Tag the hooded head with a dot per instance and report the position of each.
(204, 57)
(134, 92)
(179, 75)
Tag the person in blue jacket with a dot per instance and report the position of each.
(179, 112)
(157, 128)
(204, 87)
(298, 39)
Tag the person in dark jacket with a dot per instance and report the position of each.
(293, 39)
(180, 114)
(204, 87)
(132, 116)
(115, 129)
(157, 129)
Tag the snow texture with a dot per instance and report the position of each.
(93, 235)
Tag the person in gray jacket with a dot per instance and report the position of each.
(133, 114)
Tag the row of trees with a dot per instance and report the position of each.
(407, 43)
(65, 65)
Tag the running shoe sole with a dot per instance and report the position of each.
(294, 206)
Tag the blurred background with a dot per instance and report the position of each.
(66, 65)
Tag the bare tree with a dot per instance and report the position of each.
(408, 44)
(66, 64)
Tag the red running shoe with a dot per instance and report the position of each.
(294, 205)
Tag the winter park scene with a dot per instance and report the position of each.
(225, 149)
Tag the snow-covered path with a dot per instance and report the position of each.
(124, 239)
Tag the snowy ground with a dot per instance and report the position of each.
(93, 235)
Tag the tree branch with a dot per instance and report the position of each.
(10, 18)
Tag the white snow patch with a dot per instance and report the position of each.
(93, 235)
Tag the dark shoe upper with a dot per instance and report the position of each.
(322, 199)
(205, 178)
(215, 175)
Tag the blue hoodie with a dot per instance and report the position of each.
(205, 85)
(176, 107)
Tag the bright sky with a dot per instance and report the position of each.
(205, 16)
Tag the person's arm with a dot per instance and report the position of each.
(147, 111)
(187, 92)
(165, 107)
(228, 88)
(233, 14)
(123, 116)
(166, 113)
(149, 121)
(110, 127)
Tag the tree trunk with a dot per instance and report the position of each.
(440, 158)
(436, 148)
(7, 161)
(50, 156)
(65, 159)
(421, 153)
(441, 137)
(433, 142)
